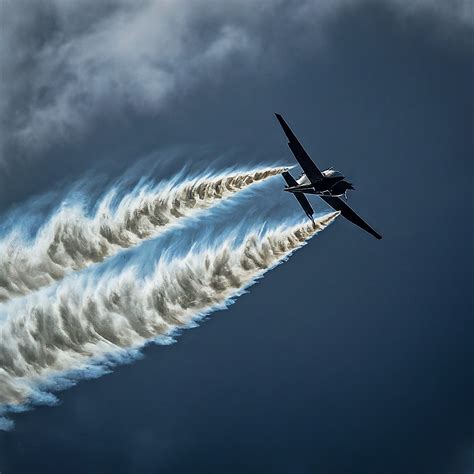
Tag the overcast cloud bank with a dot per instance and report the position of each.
(67, 64)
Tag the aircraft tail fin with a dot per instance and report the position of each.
(300, 197)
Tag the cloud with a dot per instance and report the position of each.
(65, 62)
(66, 65)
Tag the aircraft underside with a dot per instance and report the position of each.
(322, 188)
(310, 190)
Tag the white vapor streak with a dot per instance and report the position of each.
(87, 321)
(71, 240)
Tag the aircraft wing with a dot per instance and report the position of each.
(339, 205)
(309, 168)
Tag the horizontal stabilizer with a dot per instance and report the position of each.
(301, 198)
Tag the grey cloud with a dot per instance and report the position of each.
(66, 64)
(72, 60)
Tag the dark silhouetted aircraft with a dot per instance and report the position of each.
(329, 185)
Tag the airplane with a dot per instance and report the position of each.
(330, 185)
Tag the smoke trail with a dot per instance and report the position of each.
(71, 240)
(86, 324)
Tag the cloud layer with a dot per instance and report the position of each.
(67, 64)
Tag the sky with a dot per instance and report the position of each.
(353, 355)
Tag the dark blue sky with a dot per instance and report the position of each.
(355, 356)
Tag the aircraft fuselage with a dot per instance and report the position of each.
(333, 183)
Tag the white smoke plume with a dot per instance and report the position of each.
(71, 240)
(73, 331)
